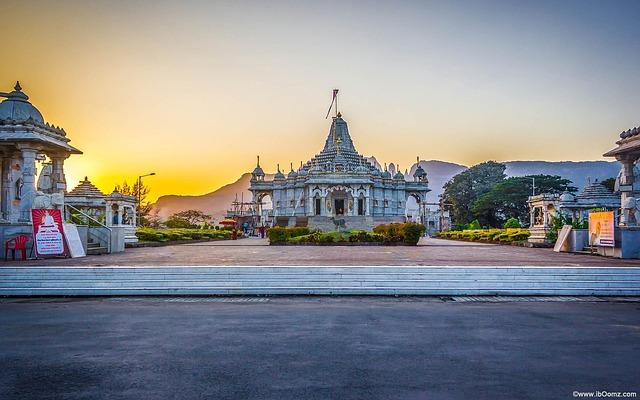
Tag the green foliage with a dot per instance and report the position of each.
(80, 219)
(559, 220)
(512, 223)
(609, 183)
(278, 235)
(509, 197)
(463, 189)
(408, 233)
(164, 235)
(177, 222)
(413, 232)
(488, 235)
(392, 233)
(188, 219)
(475, 224)
(352, 236)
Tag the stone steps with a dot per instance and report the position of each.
(251, 280)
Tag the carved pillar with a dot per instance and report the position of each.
(58, 180)
(627, 197)
(134, 217)
(5, 203)
(28, 183)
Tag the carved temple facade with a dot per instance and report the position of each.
(338, 187)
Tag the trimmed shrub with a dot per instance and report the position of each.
(163, 235)
(512, 223)
(278, 234)
(412, 233)
(488, 235)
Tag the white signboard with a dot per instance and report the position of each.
(562, 243)
(74, 244)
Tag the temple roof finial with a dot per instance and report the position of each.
(17, 87)
(258, 162)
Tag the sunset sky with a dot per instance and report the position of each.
(194, 90)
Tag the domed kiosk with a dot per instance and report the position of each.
(29, 146)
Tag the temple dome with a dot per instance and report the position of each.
(567, 197)
(17, 107)
(399, 176)
(258, 171)
(279, 175)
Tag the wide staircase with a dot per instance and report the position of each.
(301, 280)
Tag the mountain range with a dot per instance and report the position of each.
(218, 201)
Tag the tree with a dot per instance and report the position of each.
(609, 183)
(187, 219)
(139, 192)
(462, 190)
(509, 198)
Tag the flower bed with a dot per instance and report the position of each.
(175, 234)
(506, 236)
(390, 234)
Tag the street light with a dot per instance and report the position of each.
(533, 189)
(139, 194)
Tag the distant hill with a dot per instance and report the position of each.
(439, 172)
(214, 203)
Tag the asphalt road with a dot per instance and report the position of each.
(314, 348)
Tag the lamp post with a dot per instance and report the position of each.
(533, 189)
(139, 195)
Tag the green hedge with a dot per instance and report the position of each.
(408, 233)
(278, 234)
(488, 235)
(351, 236)
(171, 234)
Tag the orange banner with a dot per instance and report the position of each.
(601, 229)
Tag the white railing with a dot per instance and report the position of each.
(96, 232)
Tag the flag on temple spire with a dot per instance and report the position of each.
(334, 99)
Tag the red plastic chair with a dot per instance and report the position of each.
(17, 243)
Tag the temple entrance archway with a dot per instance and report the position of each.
(412, 209)
(341, 203)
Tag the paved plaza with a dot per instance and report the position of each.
(315, 348)
(432, 252)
